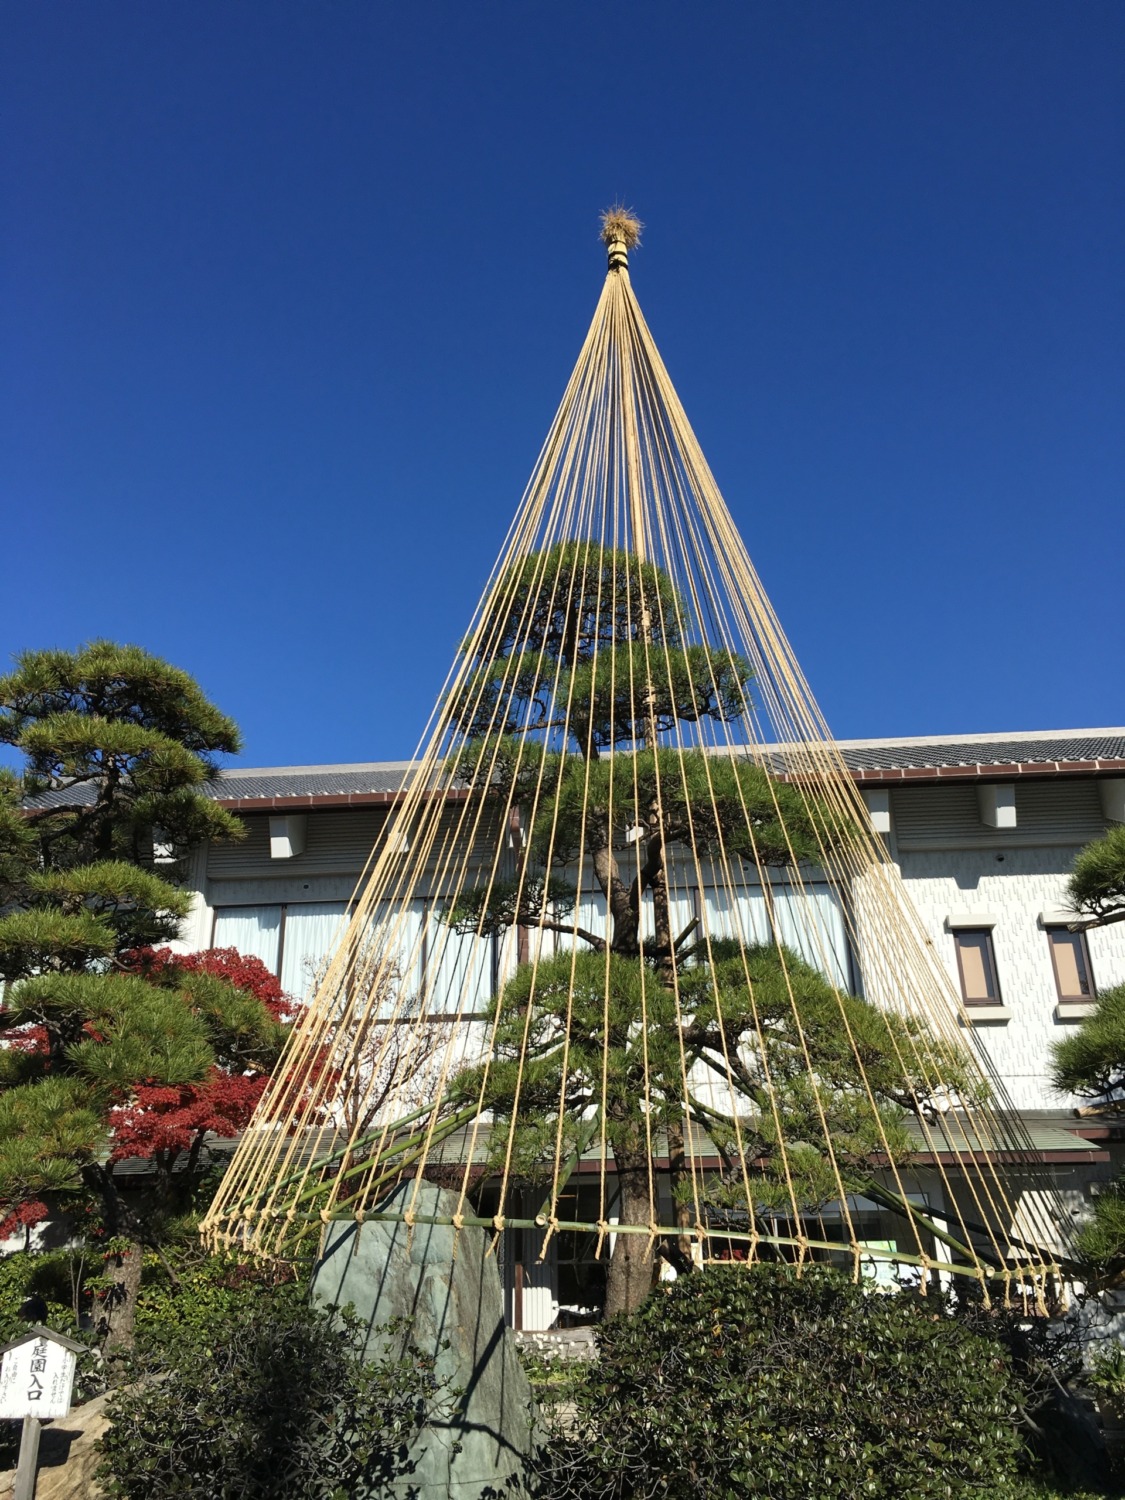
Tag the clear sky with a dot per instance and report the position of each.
(290, 293)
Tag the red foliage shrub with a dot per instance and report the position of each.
(169, 1119)
(245, 973)
(23, 1217)
(163, 1121)
(24, 1038)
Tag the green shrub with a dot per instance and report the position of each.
(751, 1381)
(254, 1394)
(55, 1276)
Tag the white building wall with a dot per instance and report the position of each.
(195, 933)
(953, 862)
(1014, 886)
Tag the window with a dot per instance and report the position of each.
(976, 965)
(1071, 961)
(294, 940)
(254, 930)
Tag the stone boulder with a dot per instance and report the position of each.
(449, 1290)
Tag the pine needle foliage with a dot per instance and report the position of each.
(1097, 882)
(607, 1048)
(584, 650)
(113, 738)
(117, 746)
(1091, 1061)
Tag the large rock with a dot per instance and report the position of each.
(68, 1456)
(387, 1273)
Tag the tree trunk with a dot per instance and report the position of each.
(677, 1174)
(664, 948)
(661, 915)
(121, 1299)
(623, 910)
(629, 1276)
(119, 1310)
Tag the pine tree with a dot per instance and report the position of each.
(597, 632)
(117, 747)
(1097, 882)
(1091, 1061)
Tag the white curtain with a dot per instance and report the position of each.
(458, 970)
(742, 916)
(311, 932)
(253, 930)
(590, 915)
(809, 921)
(397, 931)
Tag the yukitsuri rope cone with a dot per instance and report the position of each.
(599, 940)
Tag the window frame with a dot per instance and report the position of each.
(1053, 929)
(997, 998)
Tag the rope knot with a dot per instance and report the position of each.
(552, 1226)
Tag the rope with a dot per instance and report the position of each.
(622, 561)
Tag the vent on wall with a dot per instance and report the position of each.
(287, 836)
(949, 817)
(334, 843)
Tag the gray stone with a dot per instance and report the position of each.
(386, 1273)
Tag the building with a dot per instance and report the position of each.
(983, 829)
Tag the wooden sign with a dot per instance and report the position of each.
(37, 1376)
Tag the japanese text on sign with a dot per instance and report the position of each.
(36, 1379)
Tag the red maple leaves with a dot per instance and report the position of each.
(245, 973)
(23, 1217)
(161, 1121)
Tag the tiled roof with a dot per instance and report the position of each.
(945, 756)
(1043, 1133)
(380, 780)
(1067, 747)
(383, 778)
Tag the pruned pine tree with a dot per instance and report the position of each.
(604, 1030)
(626, 678)
(1097, 882)
(117, 746)
(1091, 1061)
(605, 767)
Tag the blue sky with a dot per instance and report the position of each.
(291, 292)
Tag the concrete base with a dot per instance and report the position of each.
(480, 1450)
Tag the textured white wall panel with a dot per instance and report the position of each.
(1014, 890)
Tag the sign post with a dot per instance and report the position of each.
(36, 1382)
(28, 1467)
